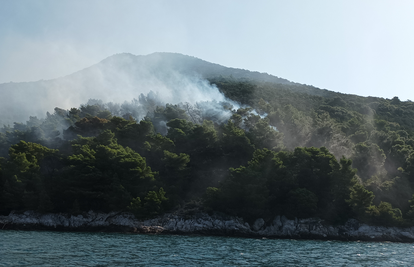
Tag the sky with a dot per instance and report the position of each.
(349, 46)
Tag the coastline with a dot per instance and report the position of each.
(204, 224)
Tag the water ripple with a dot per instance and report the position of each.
(31, 248)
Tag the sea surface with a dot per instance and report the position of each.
(41, 248)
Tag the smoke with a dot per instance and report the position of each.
(148, 80)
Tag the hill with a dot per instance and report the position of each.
(167, 130)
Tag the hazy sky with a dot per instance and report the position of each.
(363, 47)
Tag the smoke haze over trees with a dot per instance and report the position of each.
(150, 133)
(174, 77)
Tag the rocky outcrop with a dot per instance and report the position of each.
(86, 222)
(204, 224)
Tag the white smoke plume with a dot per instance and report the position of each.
(117, 79)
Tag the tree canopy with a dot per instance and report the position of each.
(276, 149)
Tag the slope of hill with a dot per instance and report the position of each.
(119, 78)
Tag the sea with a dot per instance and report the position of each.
(43, 248)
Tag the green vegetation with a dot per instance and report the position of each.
(292, 150)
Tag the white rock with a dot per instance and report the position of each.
(258, 224)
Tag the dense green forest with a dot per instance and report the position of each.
(285, 149)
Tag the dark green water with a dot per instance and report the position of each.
(31, 248)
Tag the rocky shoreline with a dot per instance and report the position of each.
(204, 224)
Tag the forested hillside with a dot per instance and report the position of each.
(273, 147)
